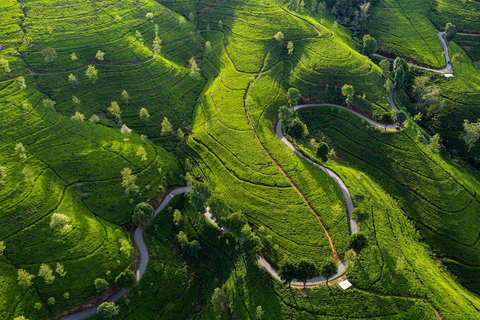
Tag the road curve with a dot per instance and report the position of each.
(143, 254)
(448, 64)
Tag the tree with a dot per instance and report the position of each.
(434, 144)
(218, 298)
(450, 32)
(293, 95)
(322, 151)
(128, 181)
(194, 69)
(72, 80)
(279, 36)
(305, 270)
(46, 273)
(115, 110)
(126, 279)
(101, 285)
(60, 270)
(290, 47)
(2, 247)
(157, 45)
(385, 66)
(258, 313)
(76, 101)
(50, 54)
(92, 73)
(167, 127)
(328, 269)
(94, 118)
(370, 45)
(144, 115)
(208, 47)
(108, 310)
(5, 65)
(400, 71)
(49, 104)
(287, 270)
(285, 115)
(125, 248)
(471, 133)
(358, 241)
(24, 278)
(182, 21)
(348, 91)
(177, 217)
(198, 197)
(251, 245)
(21, 82)
(142, 154)
(400, 118)
(149, 15)
(125, 131)
(73, 56)
(20, 318)
(100, 55)
(220, 24)
(296, 129)
(386, 118)
(125, 96)
(78, 117)
(142, 214)
(20, 150)
(180, 134)
(60, 222)
(51, 301)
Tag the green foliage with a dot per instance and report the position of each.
(126, 279)
(293, 95)
(400, 72)
(108, 310)
(101, 285)
(369, 45)
(328, 268)
(142, 214)
(348, 91)
(450, 31)
(322, 151)
(358, 241)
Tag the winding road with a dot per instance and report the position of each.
(448, 64)
(264, 264)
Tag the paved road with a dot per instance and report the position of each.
(448, 65)
(143, 249)
(143, 254)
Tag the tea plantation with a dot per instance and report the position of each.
(109, 107)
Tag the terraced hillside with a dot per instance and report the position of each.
(86, 89)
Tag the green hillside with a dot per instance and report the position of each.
(107, 104)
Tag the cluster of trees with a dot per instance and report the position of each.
(190, 247)
(25, 279)
(350, 13)
(303, 270)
